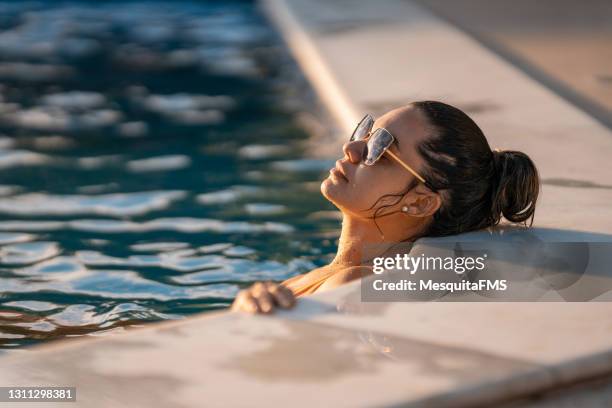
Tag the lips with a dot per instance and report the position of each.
(339, 171)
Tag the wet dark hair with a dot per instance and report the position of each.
(477, 185)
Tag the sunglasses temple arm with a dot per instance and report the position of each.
(407, 167)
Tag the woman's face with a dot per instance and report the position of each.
(355, 188)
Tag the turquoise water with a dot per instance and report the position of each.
(153, 161)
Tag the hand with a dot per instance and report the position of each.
(263, 297)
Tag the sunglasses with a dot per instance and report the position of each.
(378, 143)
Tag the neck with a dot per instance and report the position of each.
(360, 240)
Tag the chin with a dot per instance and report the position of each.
(326, 186)
(332, 191)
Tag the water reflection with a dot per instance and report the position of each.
(152, 164)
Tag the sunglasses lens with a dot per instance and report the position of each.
(363, 128)
(379, 142)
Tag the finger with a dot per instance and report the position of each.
(289, 294)
(264, 298)
(239, 300)
(245, 302)
(250, 304)
(283, 296)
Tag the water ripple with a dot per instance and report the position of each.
(28, 252)
(119, 204)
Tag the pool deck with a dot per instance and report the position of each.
(333, 350)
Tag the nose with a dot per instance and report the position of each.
(354, 150)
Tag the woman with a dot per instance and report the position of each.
(421, 170)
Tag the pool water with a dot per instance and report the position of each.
(153, 161)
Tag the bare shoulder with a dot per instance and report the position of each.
(345, 275)
(308, 277)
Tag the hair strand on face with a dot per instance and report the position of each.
(398, 198)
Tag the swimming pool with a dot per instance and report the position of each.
(153, 161)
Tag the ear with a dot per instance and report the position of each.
(421, 203)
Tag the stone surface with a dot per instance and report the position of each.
(564, 42)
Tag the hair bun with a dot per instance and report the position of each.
(516, 186)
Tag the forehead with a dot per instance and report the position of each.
(407, 124)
